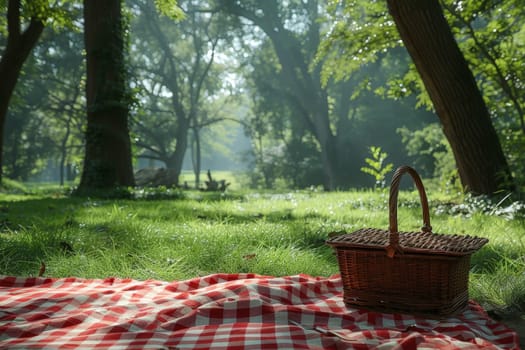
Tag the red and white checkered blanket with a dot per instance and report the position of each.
(221, 311)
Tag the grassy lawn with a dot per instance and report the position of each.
(179, 235)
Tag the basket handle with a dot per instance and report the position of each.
(394, 246)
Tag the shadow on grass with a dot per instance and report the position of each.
(37, 230)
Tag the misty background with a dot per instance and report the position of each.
(259, 88)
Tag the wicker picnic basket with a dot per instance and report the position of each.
(420, 273)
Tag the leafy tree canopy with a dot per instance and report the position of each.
(55, 14)
(490, 34)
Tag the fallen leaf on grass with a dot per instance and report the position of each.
(42, 269)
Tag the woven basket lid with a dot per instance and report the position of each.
(415, 242)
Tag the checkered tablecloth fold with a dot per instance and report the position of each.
(221, 311)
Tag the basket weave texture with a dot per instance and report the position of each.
(421, 273)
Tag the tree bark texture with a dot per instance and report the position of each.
(107, 162)
(452, 88)
(19, 46)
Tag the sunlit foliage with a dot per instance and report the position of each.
(489, 33)
(169, 8)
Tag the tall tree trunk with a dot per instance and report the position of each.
(177, 158)
(63, 151)
(302, 85)
(307, 90)
(459, 105)
(174, 160)
(19, 46)
(107, 162)
(196, 156)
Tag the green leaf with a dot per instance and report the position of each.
(169, 8)
(377, 167)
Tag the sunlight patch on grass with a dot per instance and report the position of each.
(266, 233)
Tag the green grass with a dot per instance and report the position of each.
(196, 233)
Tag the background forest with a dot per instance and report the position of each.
(315, 100)
(291, 94)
